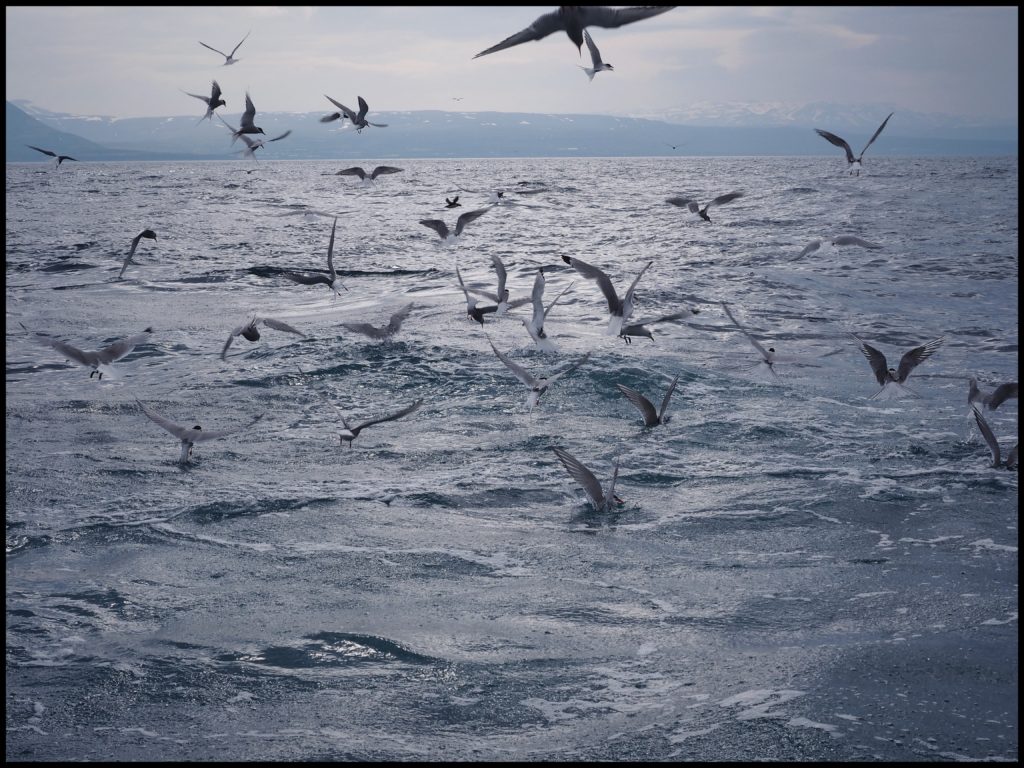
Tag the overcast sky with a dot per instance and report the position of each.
(134, 62)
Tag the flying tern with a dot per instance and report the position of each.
(212, 101)
(331, 279)
(251, 331)
(369, 178)
(228, 58)
(358, 118)
(189, 436)
(98, 360)
(853, 163)
(838, 240)
(619, 309)
(60, 158)
(991, 400)
(448, 237)
(535, 324)
(694, 207)
(768, 356)
(892, 380)
(993, 444)
(472, 309)
(149, 234)
(537, 386)
(595, 57)
(648, 413)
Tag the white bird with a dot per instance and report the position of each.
(838, 240)
(331, 279)
(99, 360)
(640, 328)
(212, 101)
(650, 416)
(450, 238)
(994, 399)
(349, 433)
(595, 57)
(369, 178)
(620, 309)
(892, 379)
(502, 294)
(853, 163)
(993, 444)
(602, 501)
(385, 332)
(768, 356)
(250, 331)
(189, 436)
(149, 234)
(358, 118)
(573, 19)
(535, 324)
(228, 58)
(60, 158)
(694, 207)
(537, 386)
(474, 311)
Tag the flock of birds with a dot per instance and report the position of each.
(573, 20)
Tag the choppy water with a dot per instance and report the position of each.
(798, 572)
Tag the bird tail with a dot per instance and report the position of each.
(590, 72)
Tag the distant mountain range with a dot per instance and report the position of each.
(737, 130)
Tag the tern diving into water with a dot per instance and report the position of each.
(595, 57)
(149, 234)
(384, 332)
(60, 158)
(475, 312)
(358, 119)
(212, 101)
(991, 400)
(651, 417)
(448, 237)
(838, 240)
(619, 309)
(602, 501)
(331, 279)
(537, 386)
(853, 163)
(768, 356)
(251, 331)
(892, 380)
(99, 360)
(229, 58)
(993, 444)
(189, 436)
(573, 19)
(694, 207)
(369, 178)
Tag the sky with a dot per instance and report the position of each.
(136, 61)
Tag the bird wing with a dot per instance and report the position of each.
(833, 139)
(70, 352)
(377, 125)
(462, 285)
(499, 268)
(278, 325)
(399, 317)
(632, 287)
(345, 110)
(751, 339)
(540, 28)
(645, 406)
(404, 412)
(353, 171)
(231, 338)
(537, 297)
(298, 277)
(684, 202)
(555, 300)
(875, 134)
(330, 252)
(119, 349)
(177, 430)
(467, 217)
(915, 357)
(437, 225)
(811, 247)
(213, 49)
(609, 498)
(215, 93)
(668, 396)
(603, 281)
(602, 16)
(284, 135)
(249, 114)
(363, 108)
(726, 198)
(853, 240)
(572, 367)
(581, 475)
(595, 55)
(380, 170)
(200, 436)
(672, 318)
(44, 151)
(1001, 393)
(205, 99)
(520, 373)
(986, 432)
(240, 44)
(877, 361)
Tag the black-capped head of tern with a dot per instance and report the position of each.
(694, 207)
(648, 413)
(60, 158)
(573, 19)
(251, 331)
(853, 162)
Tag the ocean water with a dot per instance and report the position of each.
(797, 571)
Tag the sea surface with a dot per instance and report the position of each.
(797, 571)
